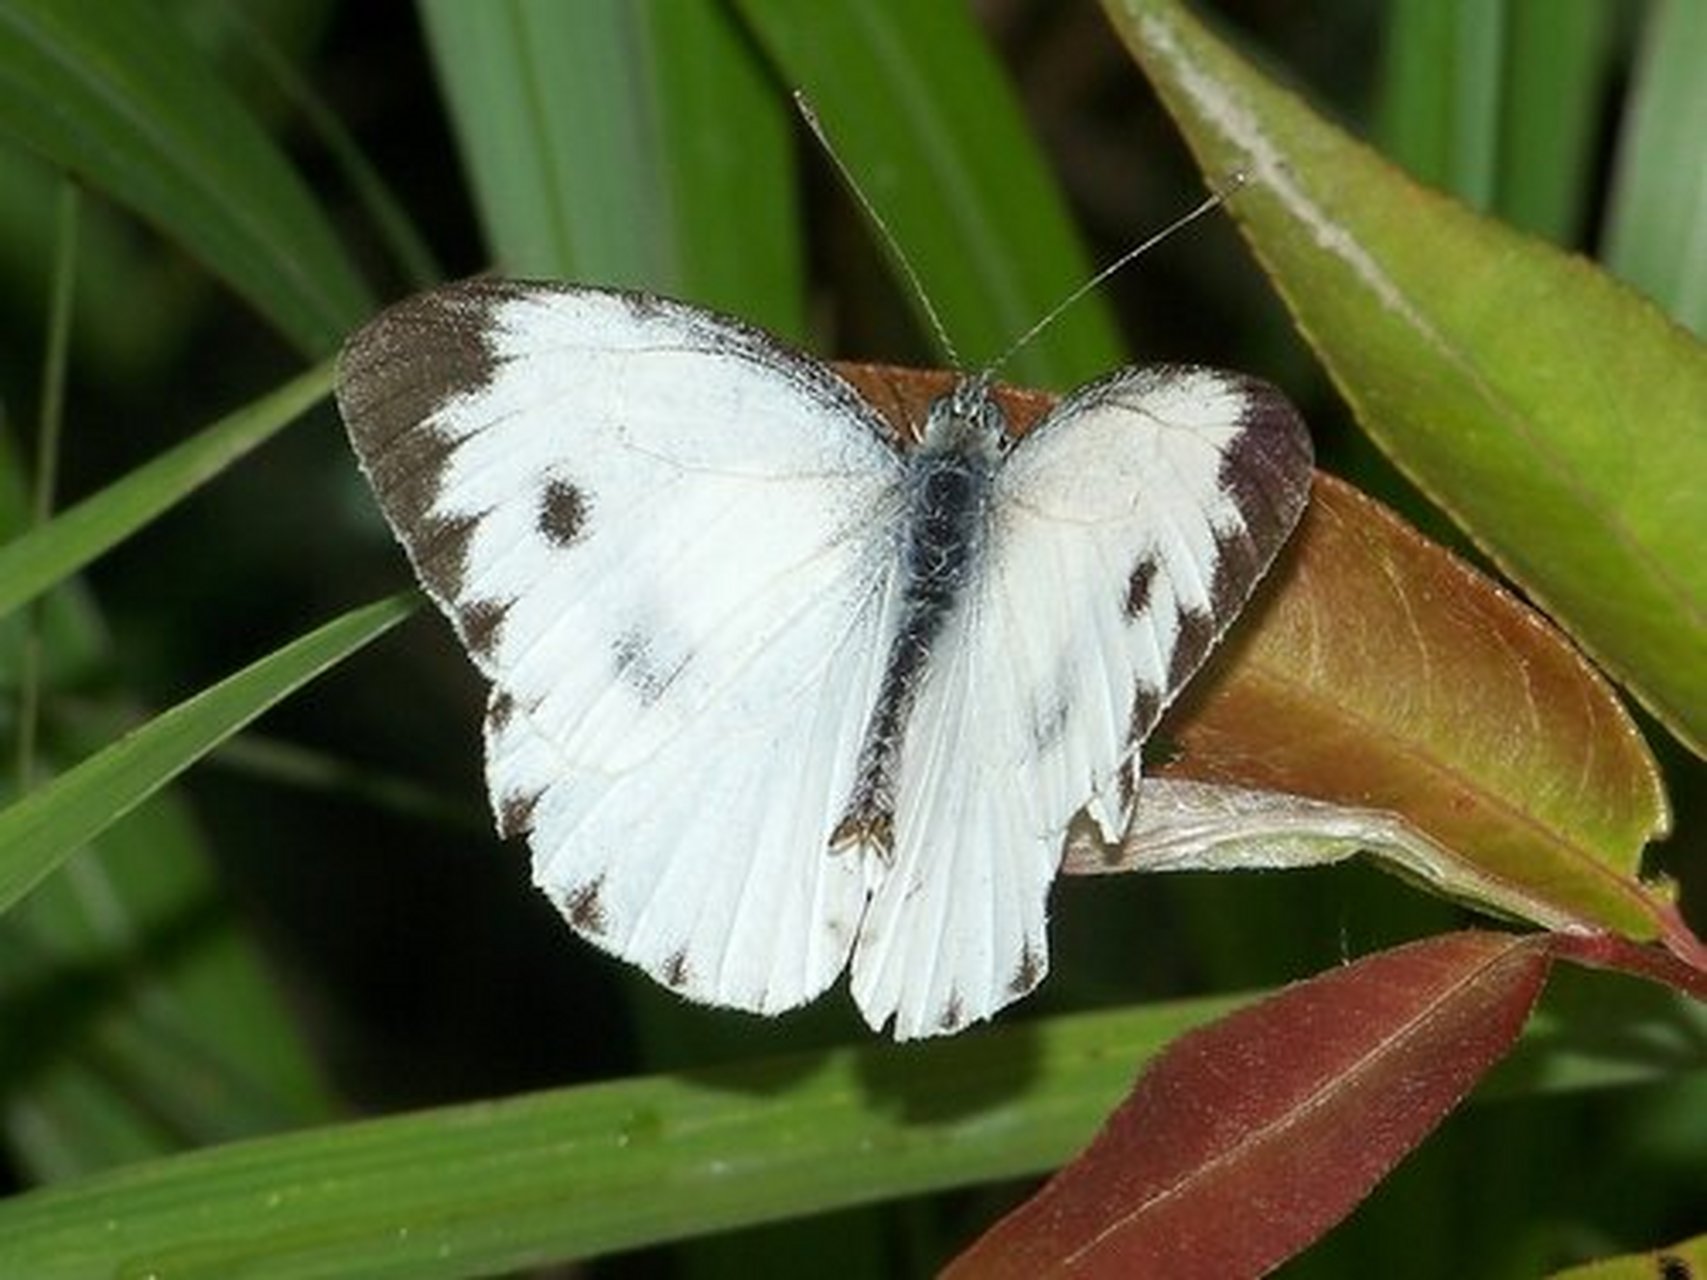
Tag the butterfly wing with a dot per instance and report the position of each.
(667, 542)
(1125, 533)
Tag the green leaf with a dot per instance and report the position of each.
(42, 829)
(32, 563)
(1552, 412)
(113, 93)
(1657, 239)
(492, 1186)
(627, 144)
(921, 113)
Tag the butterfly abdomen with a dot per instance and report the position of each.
(947, 495)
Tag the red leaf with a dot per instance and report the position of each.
(1681, 964)
(1248, 1139)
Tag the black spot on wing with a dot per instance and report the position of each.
(1028, 973)
(562, 515)
(636, 664)
(676, 973)
(515, 813)
(1048, 725)
(479, 623)
(1146, 706)
(953, 1015)
(584, 907)
(499, 710)
(1138, 585)
(1192, 641)
(1126, 784)
(1672, 1267)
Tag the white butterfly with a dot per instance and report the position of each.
(771, 694)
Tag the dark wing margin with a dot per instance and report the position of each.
(1265, 473)
(394, 376)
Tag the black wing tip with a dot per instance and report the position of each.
(1269, 466)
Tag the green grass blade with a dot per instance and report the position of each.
(40, 830)
(498, 1185)
(627, 144)
(396, 229)
(1439, 113)
(916, 105)
(49, 423)
(1556, 68)
(493, 1186)
(114, 94)
(1657, 239)
(1497, 101)
(32, 563)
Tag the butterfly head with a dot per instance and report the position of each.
(967, 420)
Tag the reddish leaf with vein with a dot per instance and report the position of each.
(1248, 1139)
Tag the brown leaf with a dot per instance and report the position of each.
(1377, 670)
(1383, 672)
(1248, 1139)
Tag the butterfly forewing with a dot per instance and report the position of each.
(666, 540)
(1125, 532)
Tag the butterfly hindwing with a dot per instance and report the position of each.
(1124, 534)
(665, 539)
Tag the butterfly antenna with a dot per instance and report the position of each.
(876, 220)
(1217, 197)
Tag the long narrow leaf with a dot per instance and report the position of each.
(44, 556)
(42, 829)
(916, 105)
(493, 1186)
(1682, 1261)
(477, 1189)
(630, 144)
(1657, 239)
(136, 1015)
(113, 93)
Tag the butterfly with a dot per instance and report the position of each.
(773, 695)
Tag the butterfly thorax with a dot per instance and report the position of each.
(942, 536)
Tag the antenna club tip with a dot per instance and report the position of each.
(1231, 181)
